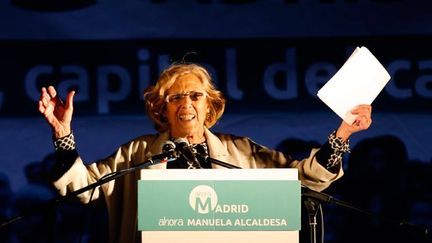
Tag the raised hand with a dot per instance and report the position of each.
(57, 113)
(362, 122)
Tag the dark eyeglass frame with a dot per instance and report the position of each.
(194, 95)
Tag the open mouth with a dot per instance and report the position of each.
(186, 117)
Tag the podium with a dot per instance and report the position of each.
(241, 205)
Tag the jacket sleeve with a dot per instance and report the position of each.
(77, 174)
(311, 173)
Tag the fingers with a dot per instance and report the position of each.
(50, 95)
(48, 101)
(41, 107)
(47, 94)
(363, 122)
(52, 92)
(363, 118)
(69, 100)
(362, 109)
(44, 101)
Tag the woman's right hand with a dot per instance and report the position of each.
(58, 114)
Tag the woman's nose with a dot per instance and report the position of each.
(186, 100)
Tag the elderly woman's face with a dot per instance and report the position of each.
(187, 107)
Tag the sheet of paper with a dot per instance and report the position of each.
(358, 81)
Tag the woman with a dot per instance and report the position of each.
(182, 104)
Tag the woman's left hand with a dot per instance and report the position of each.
(362, 122)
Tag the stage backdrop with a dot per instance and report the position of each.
(268, 57)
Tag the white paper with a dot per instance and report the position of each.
(358, 81)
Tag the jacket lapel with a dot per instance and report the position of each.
(216, 148)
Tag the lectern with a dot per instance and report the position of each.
(219, 205)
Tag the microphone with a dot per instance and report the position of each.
(168, 147)
(199, 155)
(202, 156)
(201, 152)
(168, 153)
(182, 145)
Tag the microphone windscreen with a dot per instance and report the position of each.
(182, 141)
(168, 146)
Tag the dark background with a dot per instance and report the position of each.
(268, 57)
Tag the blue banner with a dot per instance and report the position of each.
(255, 74)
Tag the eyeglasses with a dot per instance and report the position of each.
(193, 95)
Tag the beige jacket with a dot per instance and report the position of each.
(121, 197)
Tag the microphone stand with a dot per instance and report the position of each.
(312, 206)
(317, 197)
(109, 177)
(313, 200)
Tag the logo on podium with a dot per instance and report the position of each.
(252, 200)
